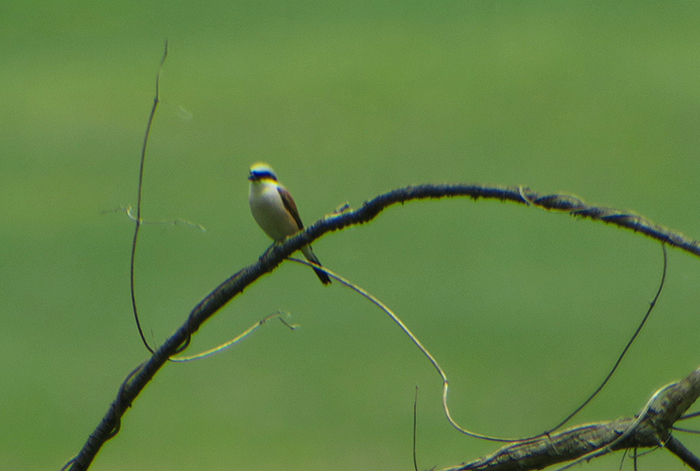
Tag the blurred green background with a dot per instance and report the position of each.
(525, 310)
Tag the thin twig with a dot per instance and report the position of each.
(652, 304)
(128, 210)
(443, 375)
(690, 416)
(685, 455)
(415, 428)
(392, 315)
(279, 315)
(138, 219)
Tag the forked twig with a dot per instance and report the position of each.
(225, 346)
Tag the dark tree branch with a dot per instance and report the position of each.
(218, 298)
(678, 449)
(653, 430)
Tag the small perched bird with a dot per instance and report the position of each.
(275, 211)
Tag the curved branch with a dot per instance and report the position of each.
(653, 430)
(230, 288)
(516, 194)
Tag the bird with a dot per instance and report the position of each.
(275, 212)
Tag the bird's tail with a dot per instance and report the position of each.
(311, 257)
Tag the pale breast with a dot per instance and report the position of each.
(270, 214)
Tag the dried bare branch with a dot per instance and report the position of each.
(652, 428)
(272, 258)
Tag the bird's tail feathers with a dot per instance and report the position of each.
(311, 257)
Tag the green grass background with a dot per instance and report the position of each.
(525, 310)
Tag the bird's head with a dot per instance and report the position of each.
(260, 172)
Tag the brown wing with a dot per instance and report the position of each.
(290, 205)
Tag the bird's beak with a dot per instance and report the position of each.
(251, 177)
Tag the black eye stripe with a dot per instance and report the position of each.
(261, 174)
